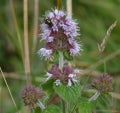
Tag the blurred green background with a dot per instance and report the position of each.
(94, 18)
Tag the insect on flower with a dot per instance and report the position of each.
(48, 22)
(59, 31)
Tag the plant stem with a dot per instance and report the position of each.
(17, 30)
(36, 12)
(67, 106)
(8, 89)
(69, 7)
(59, 2)
(60, 67)
(105, 71)
(60, 60)
(62, 105)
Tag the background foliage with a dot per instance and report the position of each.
(93, 16)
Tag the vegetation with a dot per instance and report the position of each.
(94, 19)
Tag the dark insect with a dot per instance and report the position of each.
(48, 22)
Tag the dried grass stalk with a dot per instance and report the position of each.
(26, 45)
(8, 88)
(59, 2)
(36, 11)
(17, 29)
(69, 7)
(101, 47)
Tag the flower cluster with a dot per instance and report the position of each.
(103, 83)
(67, 75)
(59, 31)
(30, 96)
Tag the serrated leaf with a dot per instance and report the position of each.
(68, 94)
(67, 56)
(52, 109)
(85, 106)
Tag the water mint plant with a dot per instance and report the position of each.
(59, 76)
(59, 32)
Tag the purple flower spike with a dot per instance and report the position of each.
(59, 31)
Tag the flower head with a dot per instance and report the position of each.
(59, 31)
(103, 83)
(67, 75)
(30, 96)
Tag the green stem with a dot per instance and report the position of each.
(62, 106)
(66, 107)
(105, 70)
(60, 60)
(60, 67)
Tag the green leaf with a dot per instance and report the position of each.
(85, 106)
(105, 102)
(68, 94)
(37, 110)
(48, 86)
(52, 109)
(56, 56)
(67, 56)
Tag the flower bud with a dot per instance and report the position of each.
(103, 83)
(30, 96)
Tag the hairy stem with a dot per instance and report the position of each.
(60, 67)
(60, 60)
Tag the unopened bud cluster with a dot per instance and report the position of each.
(30, 96)
(103, 83)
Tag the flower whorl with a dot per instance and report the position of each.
(67, 75)
(103, 83)
(30, 96)
(59, 34)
